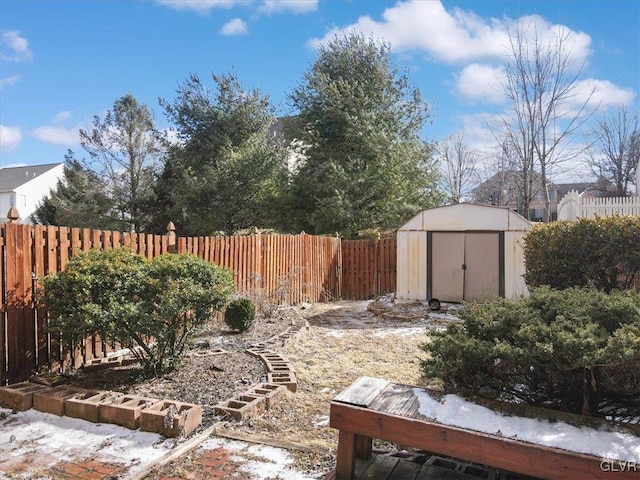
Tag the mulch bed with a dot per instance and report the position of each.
(205, 377)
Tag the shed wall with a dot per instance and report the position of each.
(514, 267)
(412, 265)
(413, 248)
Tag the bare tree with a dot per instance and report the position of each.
(124, 148)
(542, 84)
(615, 151)
(510, 180)
(459, 164)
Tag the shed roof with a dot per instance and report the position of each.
(465, 217)
(13, 177)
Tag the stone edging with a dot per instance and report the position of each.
(281, 376)
(166, 417)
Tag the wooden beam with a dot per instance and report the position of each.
(504, 453)
(346, 458)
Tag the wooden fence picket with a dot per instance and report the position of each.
(296, 267)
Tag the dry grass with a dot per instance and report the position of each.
(345, 341)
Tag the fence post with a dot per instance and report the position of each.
(171, 238)
(13, 215)
(570, 206)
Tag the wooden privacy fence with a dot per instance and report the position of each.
(282, 268)
(368, 268)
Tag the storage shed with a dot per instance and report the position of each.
(462, 252)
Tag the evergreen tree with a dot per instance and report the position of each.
(366, 164)
(79, 200)
(221, 175)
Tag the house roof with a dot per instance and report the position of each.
(13, 177)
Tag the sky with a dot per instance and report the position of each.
(63, 62)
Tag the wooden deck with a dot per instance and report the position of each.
(402, 466)
(374, 408)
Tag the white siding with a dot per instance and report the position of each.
(6, 202)
(29, 195)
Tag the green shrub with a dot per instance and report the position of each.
(240, 314)
(569, 350)
(602, 252)
(151, 307)
(92, 293)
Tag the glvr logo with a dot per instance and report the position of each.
(619, 466)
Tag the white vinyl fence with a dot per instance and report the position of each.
(574, 206)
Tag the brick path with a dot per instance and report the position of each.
(213, 464)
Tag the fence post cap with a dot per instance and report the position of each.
(171, 227)
(13, 215)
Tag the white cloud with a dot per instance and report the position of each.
(172, 136)
(62, 116)
(57, 135)
(429, 27)
(293, 6)
(477, 132)
(537, 32)
(452, 35)
(479, 82)
(605, 94)
(9, 81)
(14, 47)
(234, 27)
(13, 165)
(266, 7)
(200, 6)
(10, 138)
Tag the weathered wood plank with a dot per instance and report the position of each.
(405, 470)
(363, 391)
(530, 459)
(380, 467)
(431, 472)
(396, 399)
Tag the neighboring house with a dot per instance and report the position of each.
(503, 190)
(283, 131)
(25, 187)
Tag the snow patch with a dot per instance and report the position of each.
(401, 332)
(262, 462)
(65, 439)
(455, 411)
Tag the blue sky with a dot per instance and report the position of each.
(62, 62)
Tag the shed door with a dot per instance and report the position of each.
(465, 266)
(447, 279)
(482, 275)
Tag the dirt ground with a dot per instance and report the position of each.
(345, 340)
